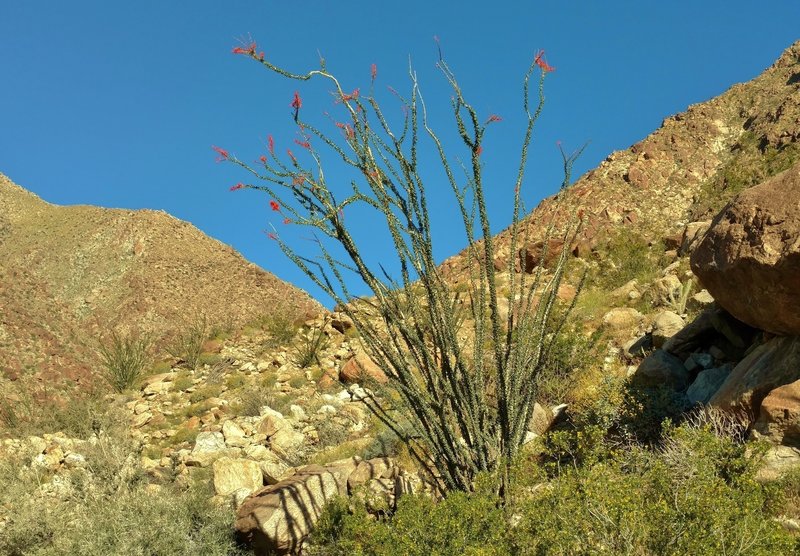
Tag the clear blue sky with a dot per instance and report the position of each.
(117, 104)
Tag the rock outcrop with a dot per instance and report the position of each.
(750, 257)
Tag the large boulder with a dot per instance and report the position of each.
(277, 518)
(361, 368)
(750, 257)
(779, 415)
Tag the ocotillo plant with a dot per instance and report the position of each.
(461, 399)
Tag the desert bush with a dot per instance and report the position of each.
(695, 495)
(626, 256)
(308, 346)
(205, 392)
(124, 359)
(187, 346)
(467, 403)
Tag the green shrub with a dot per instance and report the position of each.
(124, 359)
(235, 381)
(309, 346)
(627, 256)
(188, 346)
(205, 392)
(183, 380)
(695, 494)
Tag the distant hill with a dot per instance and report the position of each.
(71, 274)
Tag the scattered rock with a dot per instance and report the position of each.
(622, 318)
(779, 415)
(706, 384)
(665, 326)
(662, 368)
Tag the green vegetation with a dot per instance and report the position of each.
(124, 359)
(308, 347)
(695, 494)
(188, 345)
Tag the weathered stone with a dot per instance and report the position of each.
(622, 318)
(287, 442)
(770, 365)
(231, 475)
(536, 253)
(365, 471)
(361, 368)
(778, 461)
(698, 362)
(706, 384)
(273, 468)
(541, 419)
(779, 415)
(665, 326)
(208, 447)
(278, 518)
(272, 423)
(662, 368)
(750, 258)
(693, 235)
(234, 435)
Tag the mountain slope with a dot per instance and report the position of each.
(686, 170)
(71, 274)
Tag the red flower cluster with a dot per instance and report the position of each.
(249, 50)
(297, 102)
(273, 204)
(351, 96)
(299, 179)
(349, 132)
(262, 159)
(291, 155)
(494, 118)
(542, 63)
(287, 221)
(237, 186)
(478, 150)
(223, 154)
(271, 145)
(373, 71)
(304, 144)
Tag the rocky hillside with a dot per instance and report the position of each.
(686, 170)
(71, 274)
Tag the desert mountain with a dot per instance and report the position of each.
(71, 274)
(686, 170)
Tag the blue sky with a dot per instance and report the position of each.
(117, 104)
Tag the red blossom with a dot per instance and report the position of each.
(351, 96)
(273, 204)
(287, 221)
(297, 102)
(261, 56)
(478, 150)
(237, 187)
(299, 179)
(304, 144)
(271, 145)
(494, 118)
(291, 155)
(272, 236)
(540, 61)
(263, 159)
(249, 50)
(349, 132)
(373, 71)
(223, 154)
